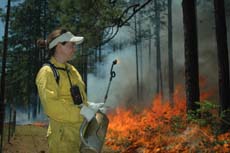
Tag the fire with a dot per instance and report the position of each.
(160, 128)
(40, 124)
(203, 85)
(118, 61)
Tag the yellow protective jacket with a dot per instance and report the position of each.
(64, 116)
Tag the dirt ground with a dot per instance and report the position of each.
(27, 139)
(31, 139)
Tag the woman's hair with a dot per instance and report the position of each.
(45, 43)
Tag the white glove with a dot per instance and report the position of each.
(88, 113)
(95, 106)
(99, 106)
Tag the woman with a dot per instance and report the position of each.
(55, 94)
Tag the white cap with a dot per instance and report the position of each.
(66, 37)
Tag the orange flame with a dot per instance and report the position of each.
(118, 61)
(159, 128)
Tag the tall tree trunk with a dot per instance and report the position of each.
(140, 56)
(137, 61)
(150, 60)
(84, 66)
(100, 56)
(43, 31)
(2, 92)
(35, 60)
(223, 63)
(86, 72)
(95, 54)
(158, 56)
(170, 54)
(191, 54)
(44, 34)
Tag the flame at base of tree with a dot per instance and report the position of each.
(162, 128)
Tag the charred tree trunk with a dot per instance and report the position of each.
(170, 54)
(3, 74)
(223, 63)
(158, 56)
(191, 54)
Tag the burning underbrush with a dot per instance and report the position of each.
(162, 128)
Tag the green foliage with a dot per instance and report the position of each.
(34, 19)
(1, 14)
(23, 58)
(205, 115)
(225, 113)
(88, 18)
(225, 120)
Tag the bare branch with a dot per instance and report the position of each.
(135, 8)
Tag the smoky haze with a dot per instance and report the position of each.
(123, 90)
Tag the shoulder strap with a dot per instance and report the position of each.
(54, 69)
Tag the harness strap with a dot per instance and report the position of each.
(74, 90)
(54, 69)
(55, 72)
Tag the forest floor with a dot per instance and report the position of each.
(27, 139)
(30, 139)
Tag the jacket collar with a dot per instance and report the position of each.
(56, 63)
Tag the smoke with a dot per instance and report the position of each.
(207, 50)
(123, 89)
(22, 116)
(124, 86)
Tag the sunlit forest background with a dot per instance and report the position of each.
(171, 89)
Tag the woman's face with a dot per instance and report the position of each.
(67, 50)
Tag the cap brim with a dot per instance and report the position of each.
(77, 40)
(65, 37)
